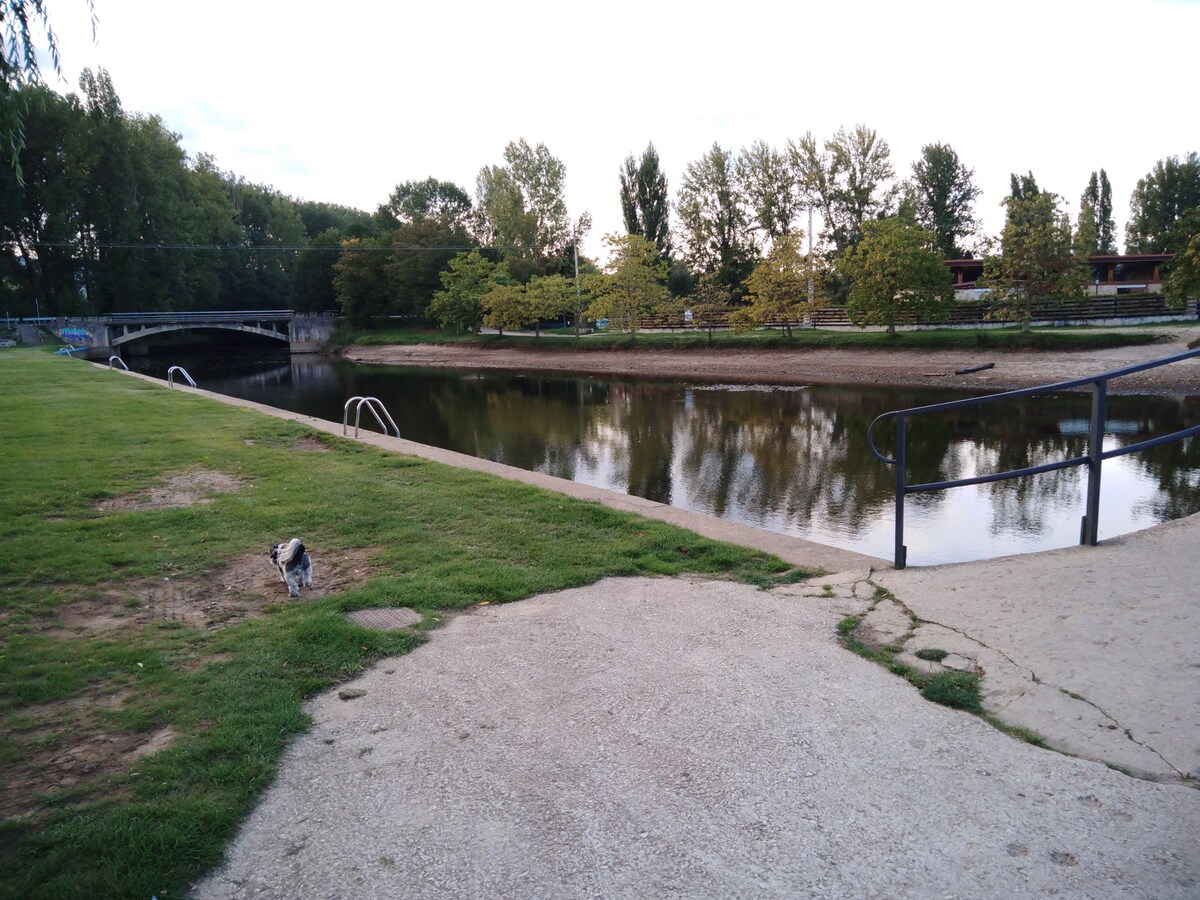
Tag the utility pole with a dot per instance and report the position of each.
(810, 284)
(578, 295)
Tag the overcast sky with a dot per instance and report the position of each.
(341, 102)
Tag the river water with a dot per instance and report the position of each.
(787, 459)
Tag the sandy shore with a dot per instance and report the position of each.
(1010, 369)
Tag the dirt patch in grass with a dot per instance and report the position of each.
(238, 591)
(310, 445)
(70, 745)
(186, 489)
(64, 746)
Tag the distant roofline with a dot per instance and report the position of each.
(1106, 258)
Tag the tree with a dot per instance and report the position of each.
(19, 68)
(39, 215)
(945, 193)
(634, 284)
(715, 225)
(895, 270)
(319, 218)
(1087, 236)
(506, 307)
(359, 282)
(421, 249)
(847, 180)
(316, 271)
(550, 296)
(521, 210)
(1095, 217)
(464, 284)
(768, 184)
(1183, 282)
(778, 289)
(1023, 187)
(644, 200)
(416, 201)
(711, 302)
(1035, 265)
(1159, 205)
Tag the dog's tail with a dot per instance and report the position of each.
(292, 551)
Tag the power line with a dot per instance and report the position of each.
(109, 245)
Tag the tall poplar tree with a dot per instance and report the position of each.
(768, 183)
(1095, 217)
(945, 195)
(521, 208)
(644, 200)
(1036, 264)
(713, 218)
(849, 179)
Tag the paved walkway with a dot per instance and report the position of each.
(704, 739)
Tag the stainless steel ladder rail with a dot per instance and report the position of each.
(375, 405)
(117, 359)
(181, 370)
(1094, 459)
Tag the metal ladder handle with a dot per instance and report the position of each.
(371, 407)
(171, 376)
(371, 404)
(117, 359)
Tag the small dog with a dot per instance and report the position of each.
(295, 568)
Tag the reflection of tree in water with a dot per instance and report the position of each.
(637, 429)
(801, 455)
(1018, 434)
(538, 424)
(1174, 467)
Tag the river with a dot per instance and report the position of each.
(792, 460)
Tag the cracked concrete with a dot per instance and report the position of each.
(1094, 649)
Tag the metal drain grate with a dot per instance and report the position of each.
(385, 619)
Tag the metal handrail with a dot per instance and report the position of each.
(113, 359)
(1089, 526)
(211, 316)
(171, 376)
(370, 403)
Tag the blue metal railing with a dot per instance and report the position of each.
(1094, 459)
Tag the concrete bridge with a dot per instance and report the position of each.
(103, 336)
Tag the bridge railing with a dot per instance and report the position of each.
(260, 315)
(1096, 454)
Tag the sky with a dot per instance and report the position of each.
(342, 102)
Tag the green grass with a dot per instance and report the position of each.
(957, 689)
(1068, 338)
(438, 539)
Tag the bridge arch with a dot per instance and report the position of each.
(151, 330)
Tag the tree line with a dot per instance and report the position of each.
(102, 211)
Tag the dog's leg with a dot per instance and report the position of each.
(308, 582)
(293, 583)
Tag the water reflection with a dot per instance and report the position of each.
(793, 460)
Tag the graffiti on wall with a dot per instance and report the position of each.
(73, 335)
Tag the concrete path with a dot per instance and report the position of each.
(672, 738)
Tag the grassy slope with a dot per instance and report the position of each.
(444, 539)
(1074, 338)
